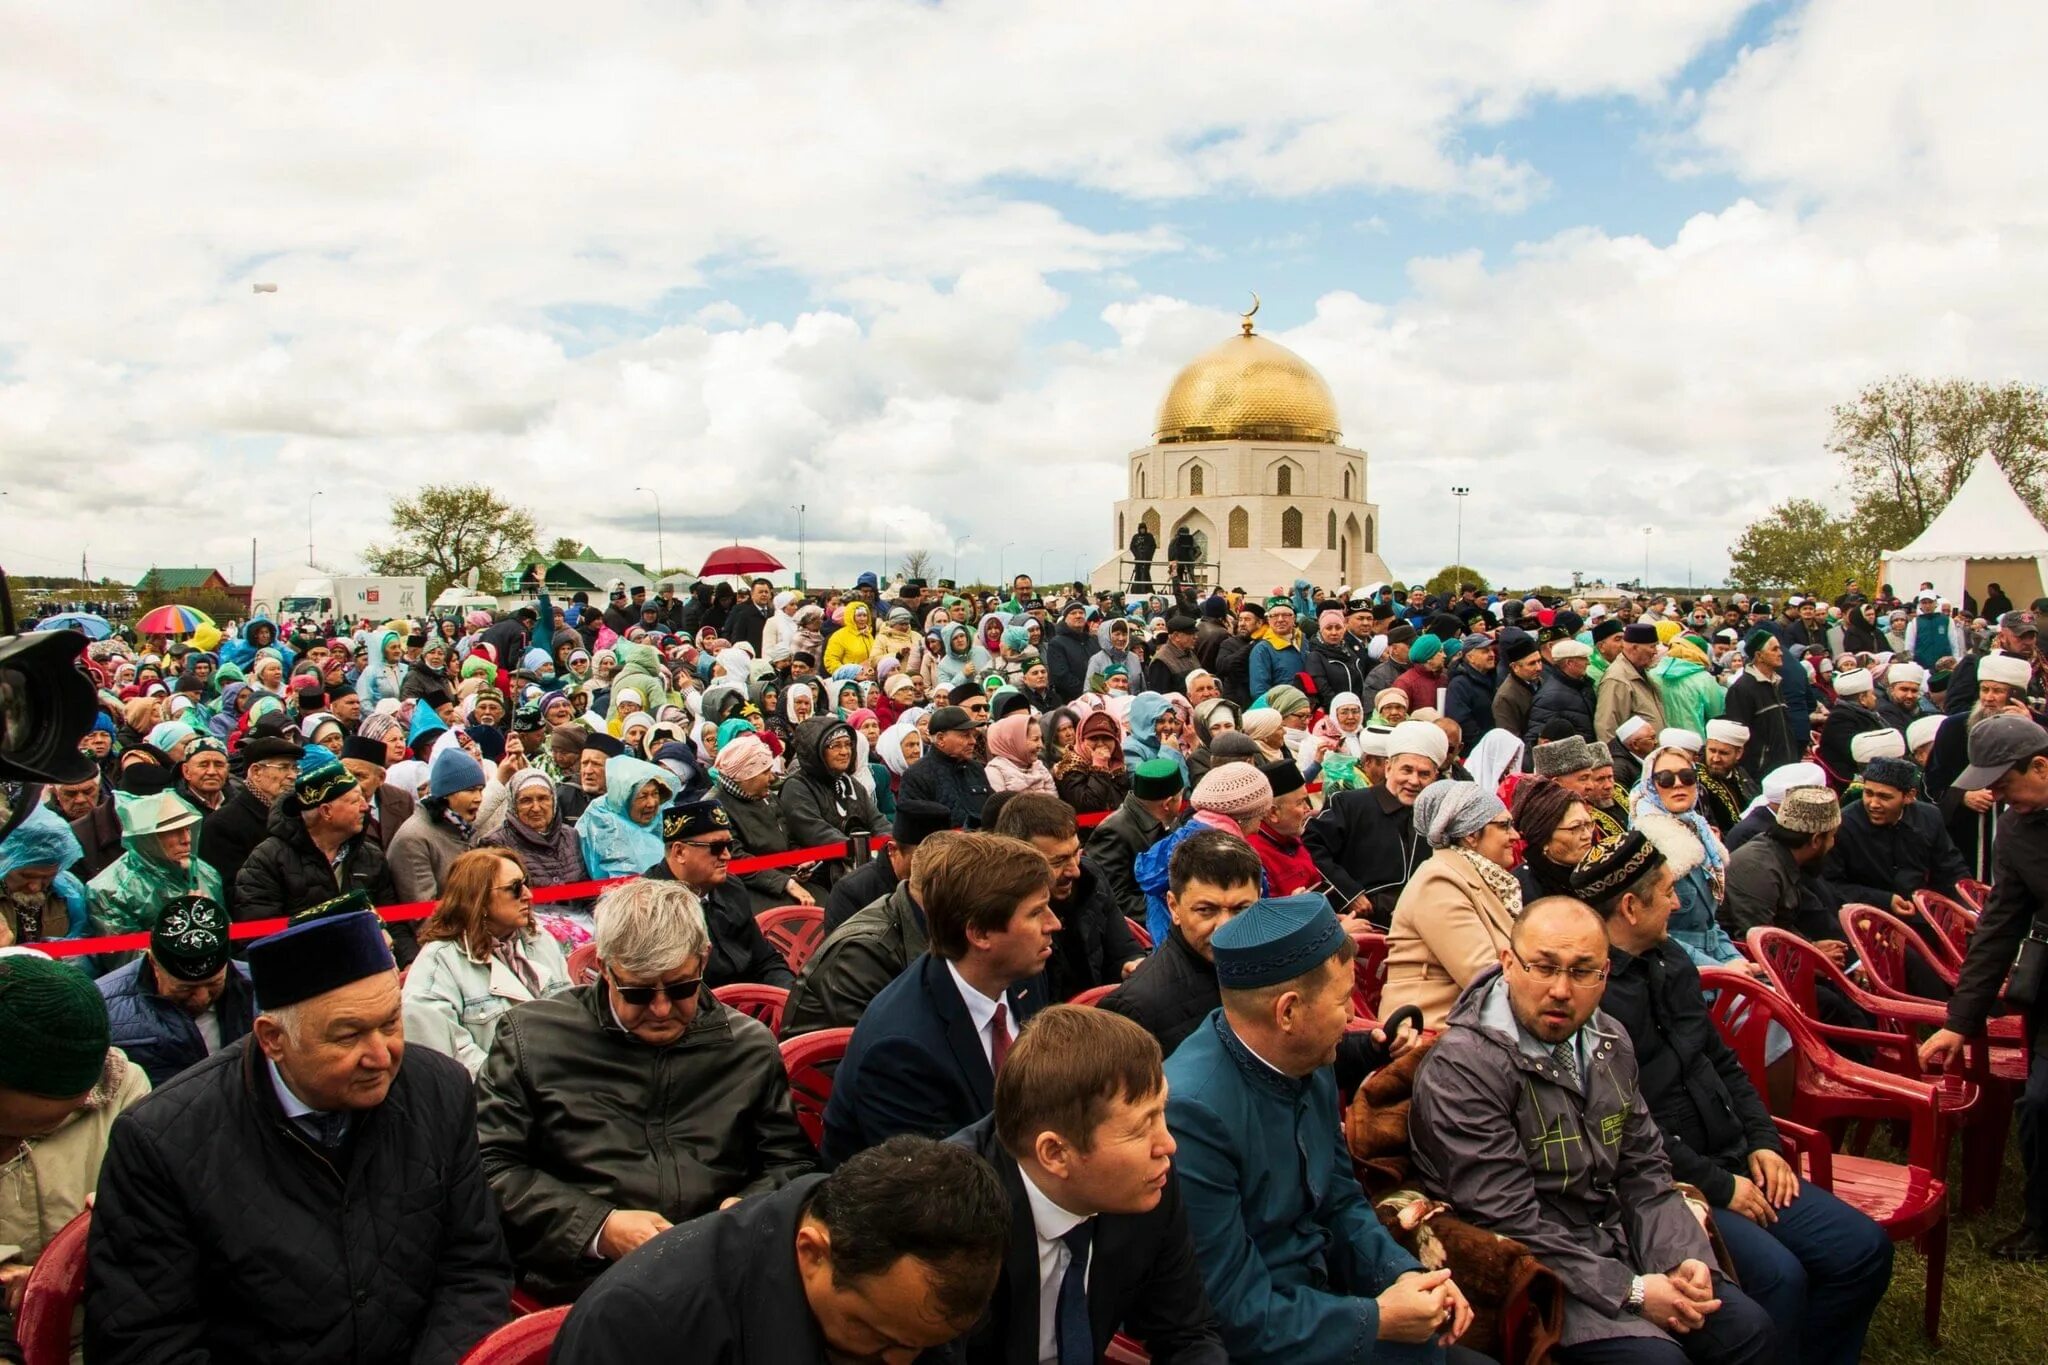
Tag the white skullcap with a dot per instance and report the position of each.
(1853, 682)
(1795, 601)
(1922, 731)
(1927, 595)
(1905, 671)
(1570, 649)
(1420, 738)
(1877, 744)
(1778, 781)
(2009, 669)
(1678, 737)
(1373, 744)
(1727, 732)
(1598, 613)
(1630, 728)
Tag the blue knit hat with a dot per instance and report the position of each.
(453, 771)
(1276, 940)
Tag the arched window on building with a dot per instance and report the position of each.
(1194, 481)
(1141, 483)
(1240, 529)
(1333, 530)
(1370, 547)
(1290, 524)
(1283, 484)
(1347, 484)
(1150, 521)
(1120, 530)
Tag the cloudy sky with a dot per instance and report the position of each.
(928, 268)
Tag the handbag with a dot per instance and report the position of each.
(2023, 988)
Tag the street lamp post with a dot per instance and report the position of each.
(1460, 492)
(798, 508)
(309, 525)
(660, 550)
(1646, 558)
(885, 553)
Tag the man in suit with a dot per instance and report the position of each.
(389, 807)
(1098, 1237)
(924, 1057)
(893, 1254)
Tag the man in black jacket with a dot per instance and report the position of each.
(1068, 651)
(1140, 822)
(610, 1113)
(1473, 683)
(1098, 1235)
(744, 623)
(949, 773)
(893, 1254)
(1817, 1266)
(697, 845)
(229, 835)
(2009, 758)
(309, 1193)
(1755, 701)
(318, 850)
(1211, 877)
(1564, 693)
(1365, 842)
(1094, 946)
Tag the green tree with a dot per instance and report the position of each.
(1803, 547)
(564, 548)
(445, 530)
(1907, 444)
(1450, 576)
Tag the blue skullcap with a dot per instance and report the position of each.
(316, 957)
(1276, 940)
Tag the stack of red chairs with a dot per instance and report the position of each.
(755, 1001)
(795, 930)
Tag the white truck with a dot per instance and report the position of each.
(377, 597)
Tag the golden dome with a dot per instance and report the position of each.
(1248, 389)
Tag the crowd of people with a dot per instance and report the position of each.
(351, 1139)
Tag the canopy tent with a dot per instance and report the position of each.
(1985, 535)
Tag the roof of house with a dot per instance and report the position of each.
(172, 580)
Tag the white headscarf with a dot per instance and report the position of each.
(1497, 754)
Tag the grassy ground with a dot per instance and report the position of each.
(1992, 1313)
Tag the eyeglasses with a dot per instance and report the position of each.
(1677, 777)
(1547, 971)
(717, 848)
(642, 996)
(516, 888)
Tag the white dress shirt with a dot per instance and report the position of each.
(1052, 1223)
(982, 1010)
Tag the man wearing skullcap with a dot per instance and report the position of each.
(1817, 1266)
(1633, 739)
(1565, 693)
(1972, 816)
(1775, 879)
(1726, 787)
(1424, 677)
(1152, 808)
(316, 849)
(1852, 715)
(1365, 842)
(1626, 689)
(1900, 705)
(1529, 1118)
(310, 1192)
(697, 850)
(186, 997)
(1523, 664)
(1297, 1267)
(1757, 702)
(61, 1088)
(1893, 844)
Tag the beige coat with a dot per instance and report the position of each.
(1448, 927)
(44, 1185)
(1625, 692)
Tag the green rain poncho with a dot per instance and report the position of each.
(127, 895)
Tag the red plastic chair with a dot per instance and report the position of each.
(755, 1001)
(50, 1298)
(1951, 921)
(810, 1059)
(1909, 1201)
(583, 964)
(522, 1341)
(1973, 893)
(795, 930)
(1368, 975)
(1140, 933)
(1093, 995)
(1123, 1351)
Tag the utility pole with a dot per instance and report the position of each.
(660, 549)
(798, 508)
(1460, 492)
(309, 526)
(1646, 558)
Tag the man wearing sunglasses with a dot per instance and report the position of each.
(610, 1113)
(697, 851)
(1529, 1120)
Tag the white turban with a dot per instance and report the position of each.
(1727, 732)
(1877, 744)
(1630, 728)
(2009, 669)
(1421, 738)
(1678, 737)
(1853, 682)
(1922, 731)
(1778, 781)
(1905, 671)
(1374, 744)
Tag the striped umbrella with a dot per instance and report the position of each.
(172, 620)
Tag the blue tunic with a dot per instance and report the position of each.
(1291, 1253)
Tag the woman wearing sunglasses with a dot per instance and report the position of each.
(480, 954)
(1665, 807)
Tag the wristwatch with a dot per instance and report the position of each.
(1635, 1295)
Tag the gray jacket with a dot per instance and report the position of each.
(853, 964)
(1581, 1179)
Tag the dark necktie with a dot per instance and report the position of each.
(1567, 1059)
(999, 1037)
(326, 1129)
(1076, 1338)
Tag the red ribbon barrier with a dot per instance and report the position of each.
(411, 910)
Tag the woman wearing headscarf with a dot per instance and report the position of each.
(1556, 830)
(743, 780)
(1859, 633)
(1152, 730)
(39, 897)
(1091, 776)
(1218, 715)
(963, 660)
(1498, 756)
(621, 834)
(1459, 909)
(547, 844)
(1013, 763)
(900, 746)
(385, 674)
(481, 953)
(853, 642)
(1263, 727)
(1389, 707)
(1664, 806)
(821, 802)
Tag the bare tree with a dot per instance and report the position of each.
(919, 564)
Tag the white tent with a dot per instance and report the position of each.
(1985, 535)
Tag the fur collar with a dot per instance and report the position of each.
(1673, 838)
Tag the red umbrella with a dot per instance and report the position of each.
(738, 559)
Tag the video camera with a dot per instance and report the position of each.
(46, 707)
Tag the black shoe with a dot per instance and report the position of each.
(2024, 1245)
